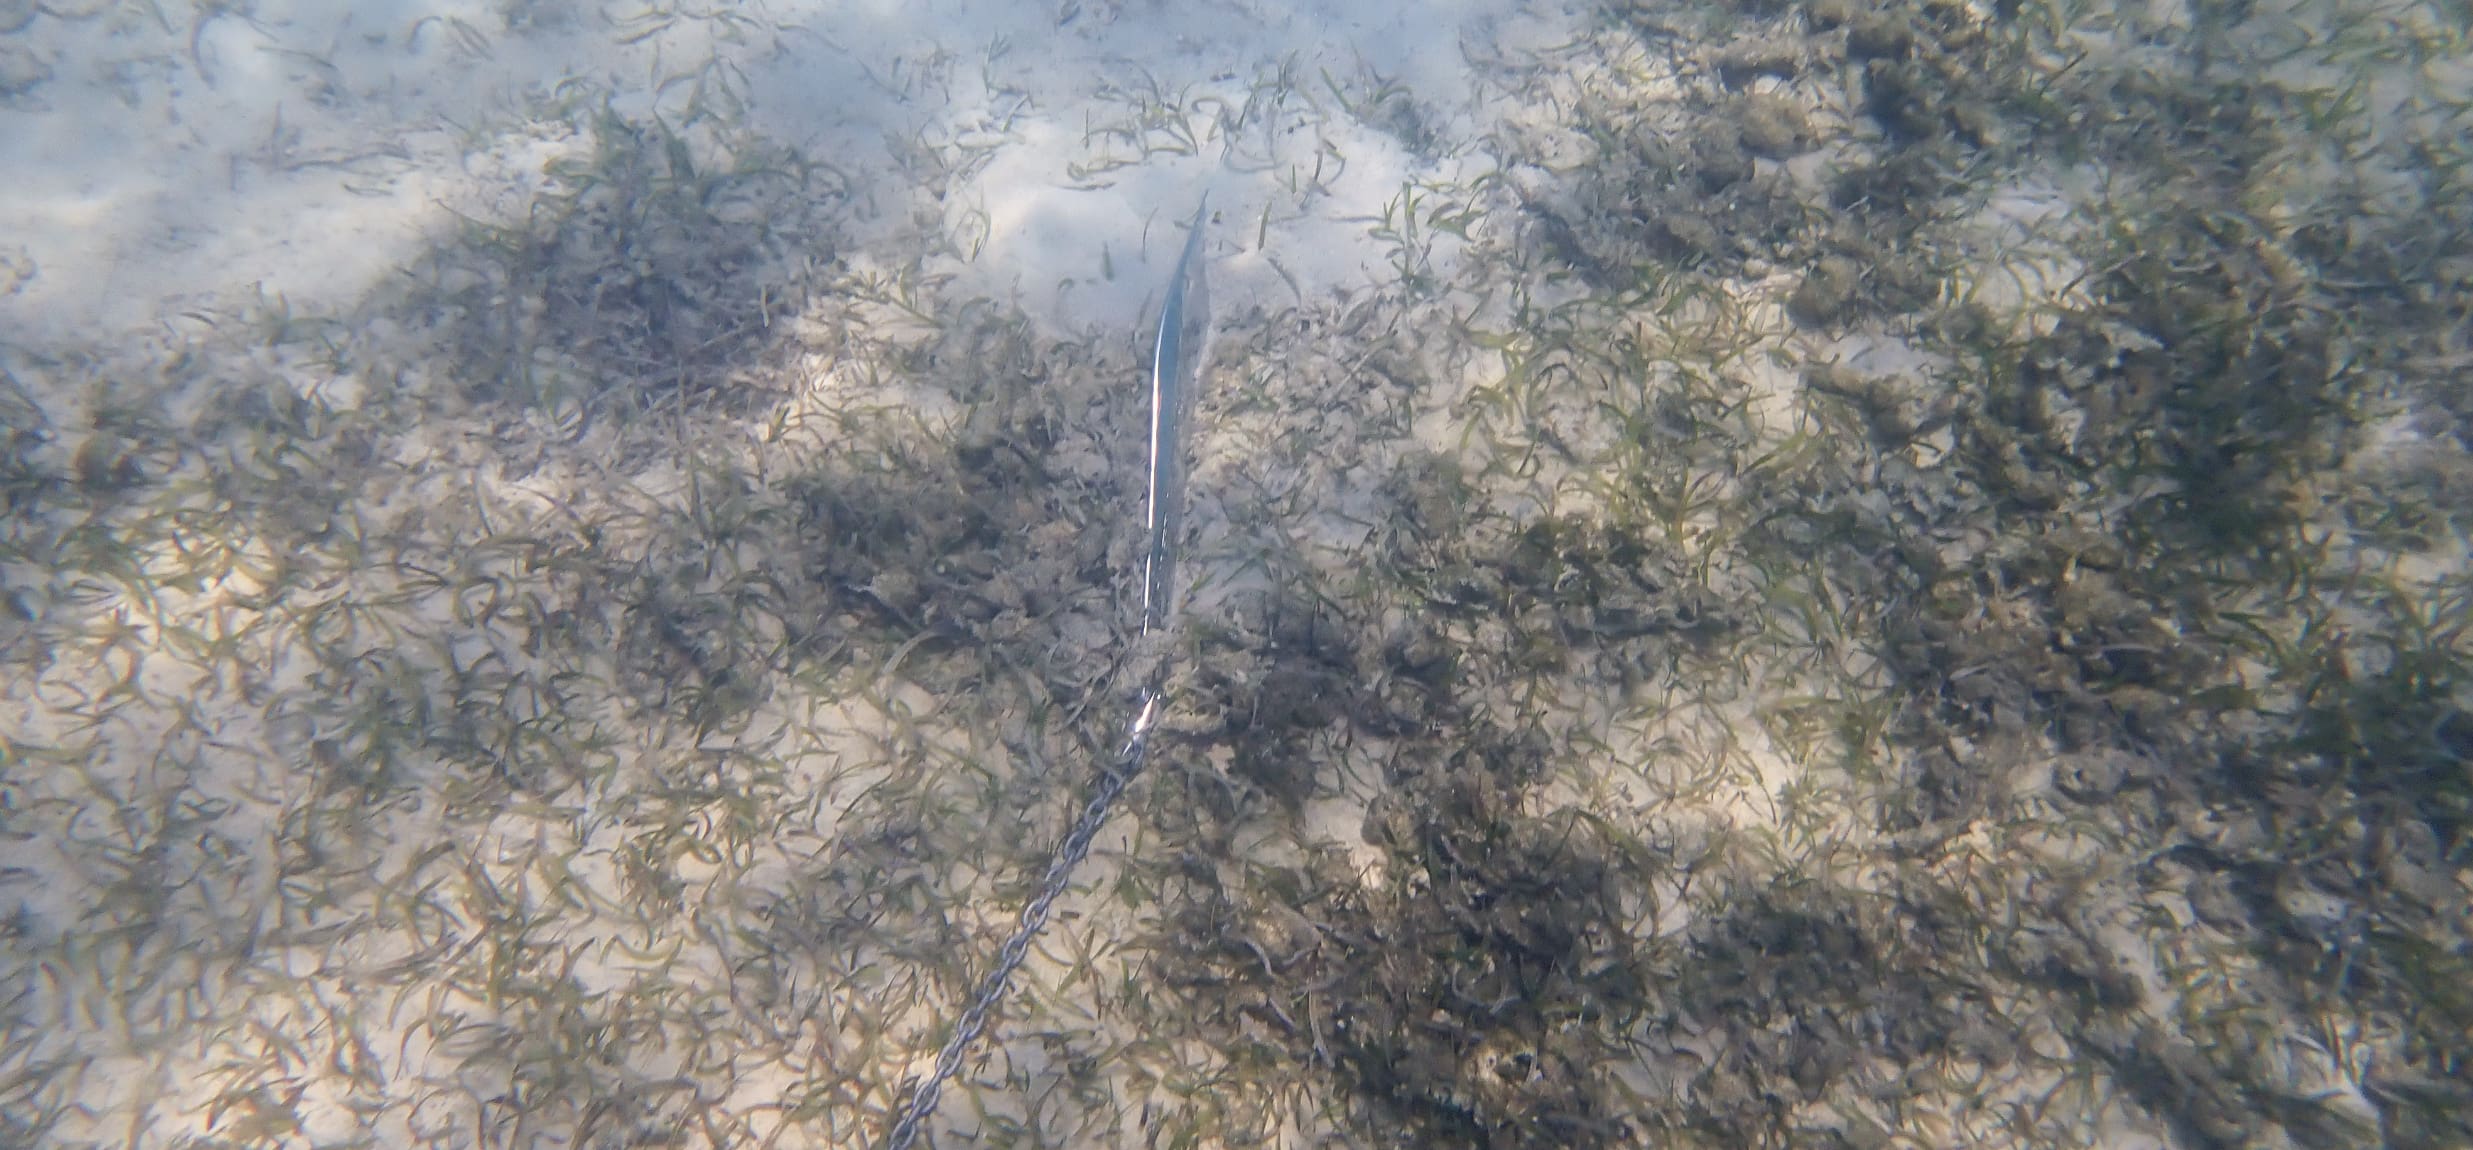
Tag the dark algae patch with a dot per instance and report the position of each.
(1475, 1000)
(661, 255)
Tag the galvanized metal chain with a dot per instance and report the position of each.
(1184, 333)
(1069, 855)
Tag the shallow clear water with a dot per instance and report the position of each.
(1797, 574)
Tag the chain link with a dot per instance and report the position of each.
(1172, 372)
(1069, 855)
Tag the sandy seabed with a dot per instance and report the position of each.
(1795, 574)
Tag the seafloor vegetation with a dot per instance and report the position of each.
(1897, 577)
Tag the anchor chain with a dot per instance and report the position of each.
(1069, 855)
